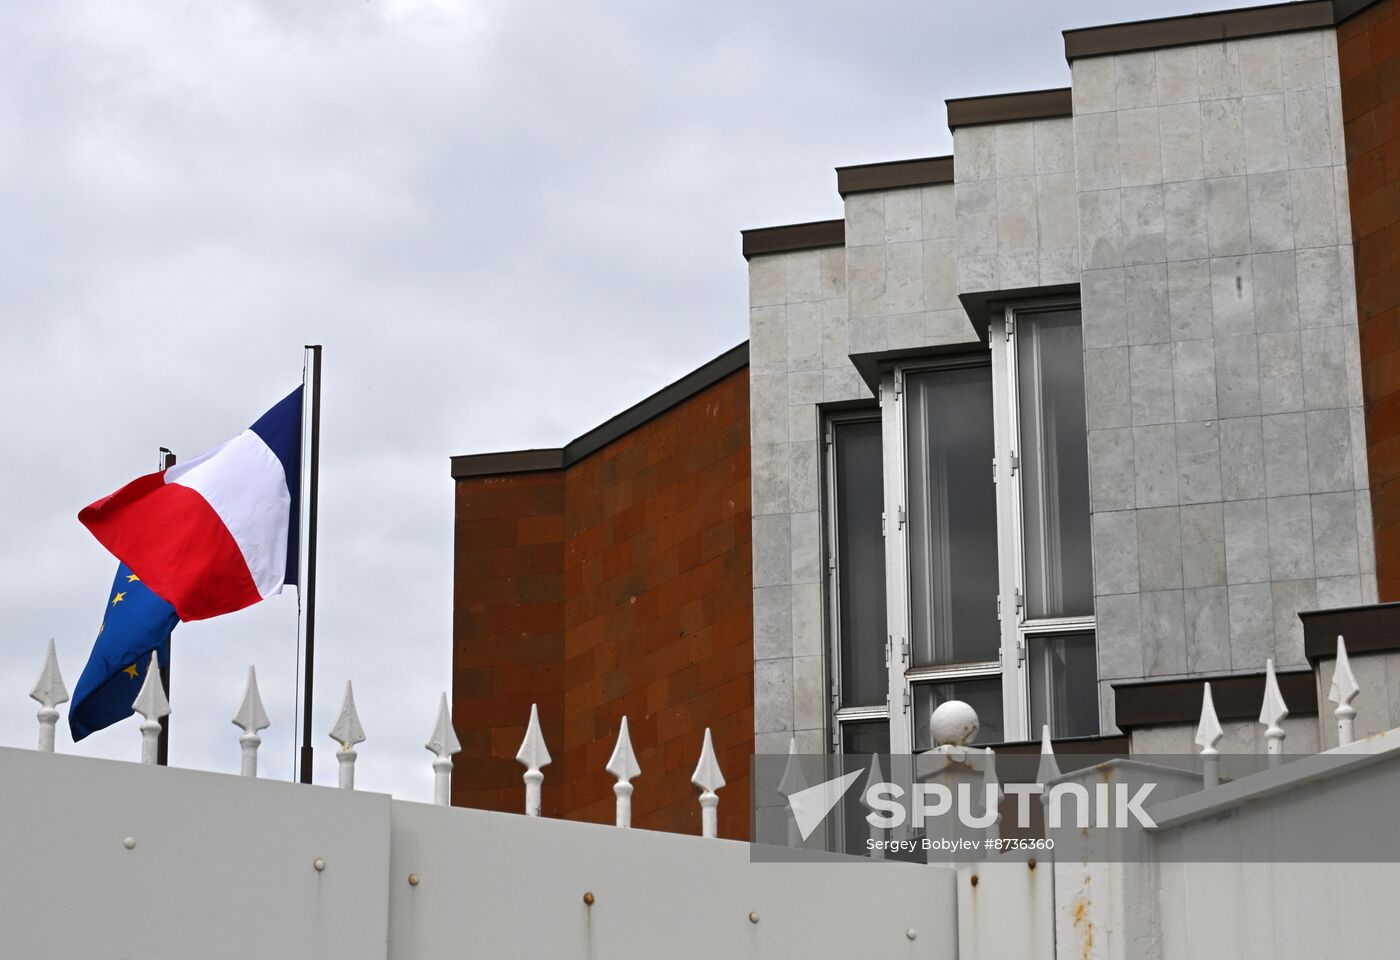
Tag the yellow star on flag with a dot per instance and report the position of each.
(118, 599)
(132, 579)
(131, 671)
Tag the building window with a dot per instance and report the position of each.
(856, 583)
(1062, 684)
(1043, 458)
(952, 516)
(980, 587)
(1054, 455)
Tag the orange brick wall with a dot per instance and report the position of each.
(507, 634)
(619, 585)
(1369, 62)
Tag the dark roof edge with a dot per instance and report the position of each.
(892, 174)
(793, 236)
(508, 461)
(1009, 107)
(1237, 696)
(1344, 10)
(1198, 28)
(556, 458)
(1369, 628)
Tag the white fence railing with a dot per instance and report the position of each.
(151, 703)
(339, 872)
(50, 692)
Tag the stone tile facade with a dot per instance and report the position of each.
(1221, 352)
(1198, 198)
(798, 361)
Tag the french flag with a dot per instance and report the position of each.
(217, 533)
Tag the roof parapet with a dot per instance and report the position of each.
(893, 174)
(1201, 28)
(794, 236)
(1009, 107)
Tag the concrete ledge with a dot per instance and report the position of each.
(796, 236)
(1302, 772)
(1009, 107)
(1198, 28)
(891, 175)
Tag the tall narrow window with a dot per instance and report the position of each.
(952, 516)
(1062, 681)
(1055, 461)
(859, 572)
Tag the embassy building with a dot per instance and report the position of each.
(1102, 406)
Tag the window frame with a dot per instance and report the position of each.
(840, 715)
(1015, 628)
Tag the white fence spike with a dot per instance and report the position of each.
(1343, 691)
(873, 777)
(1049, 767)
(50, 691)
(250, 718)
(347, 732)
(793, 781)
(443, 744)
(791, 784)
(152, 705)
(534, 755)
(1208, 734)
(623, 765)
(708, 778)
(1272, 715)
(991, 790)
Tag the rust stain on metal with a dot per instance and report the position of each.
(1030, 864)
(1085, 926)
(588, 899)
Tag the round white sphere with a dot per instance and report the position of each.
(953, 724)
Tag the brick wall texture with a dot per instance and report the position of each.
(620, 585)
(1368, 49)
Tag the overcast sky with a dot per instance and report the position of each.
(506, 221)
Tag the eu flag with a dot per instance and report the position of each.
(134, 623)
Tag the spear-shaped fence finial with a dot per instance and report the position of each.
(991, 792)
(708, 778)
(443, 744)
(623, 765)
(250, 718)
(1049, 768)
(873, 777)
(152, 705)
(1272, 715)
(1343, 691)
(793, 783)
(50, 691)
(1208, 734)
(347, 732)
(534, 755)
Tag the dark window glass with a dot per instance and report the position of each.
(1064, 685)
(860, 739)
(1055, 463)
(952, 516)
(983, 694)
(860, 562)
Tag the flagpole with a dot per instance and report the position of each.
(310, 586)
(167, 460)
